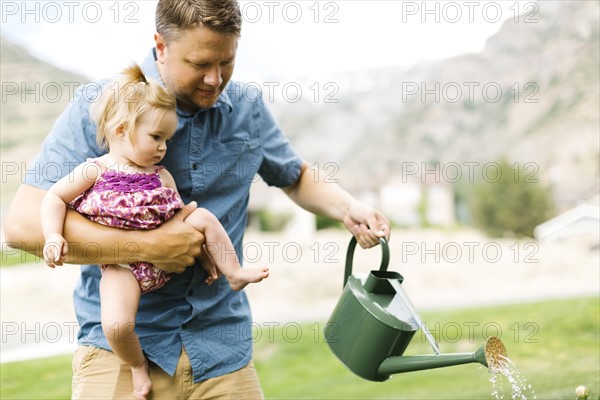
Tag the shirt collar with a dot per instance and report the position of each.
(150, 69)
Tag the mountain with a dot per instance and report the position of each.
(532, 96)
(34, 93)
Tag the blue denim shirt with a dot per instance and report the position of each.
(213, 157)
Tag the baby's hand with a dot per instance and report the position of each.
(55, 250)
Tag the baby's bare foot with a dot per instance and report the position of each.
(243, 276)
(141, 381)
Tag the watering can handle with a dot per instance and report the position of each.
(385, 257)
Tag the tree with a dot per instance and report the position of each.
(509, 199)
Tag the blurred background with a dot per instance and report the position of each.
(474, 126)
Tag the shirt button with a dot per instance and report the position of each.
(194, 166)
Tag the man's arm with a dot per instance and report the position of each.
(172, 247)
(330, 200)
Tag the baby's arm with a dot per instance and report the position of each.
(167, 179)
(54, 209)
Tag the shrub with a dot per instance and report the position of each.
(513, 202)
(270, 221)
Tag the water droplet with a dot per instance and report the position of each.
(506, 370)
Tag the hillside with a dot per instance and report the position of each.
(532, 96)
(34, 93)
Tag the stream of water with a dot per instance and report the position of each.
(507, 377)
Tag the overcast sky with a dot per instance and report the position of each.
(280, 39)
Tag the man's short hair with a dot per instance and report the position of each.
(176, 16)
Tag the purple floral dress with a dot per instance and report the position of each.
(131, 201)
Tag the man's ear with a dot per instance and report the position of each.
(161, 47)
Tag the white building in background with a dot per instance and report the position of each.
(399, 201)
(411, 202)
(405, 201)
(440, 204)
(582, 220)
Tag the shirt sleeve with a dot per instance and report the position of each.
(280, 164)
(70, 142)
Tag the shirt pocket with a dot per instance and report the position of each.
(238, 140)
(239, 157)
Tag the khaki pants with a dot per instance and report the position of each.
(99, 374)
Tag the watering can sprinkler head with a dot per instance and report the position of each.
(492, 354)
(374, 322)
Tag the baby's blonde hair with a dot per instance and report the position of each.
(125, 100)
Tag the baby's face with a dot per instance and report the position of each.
(152, 132)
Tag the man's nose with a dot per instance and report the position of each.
(213, 77)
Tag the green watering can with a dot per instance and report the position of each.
(374, 321)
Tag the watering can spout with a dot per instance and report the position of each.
(489, 355)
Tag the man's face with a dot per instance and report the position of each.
(197, 65)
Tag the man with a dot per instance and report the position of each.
(196, 336)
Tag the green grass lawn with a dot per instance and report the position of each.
(555, 344)
(12, 257)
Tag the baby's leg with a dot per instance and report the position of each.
(222, 252)
(120, 296)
